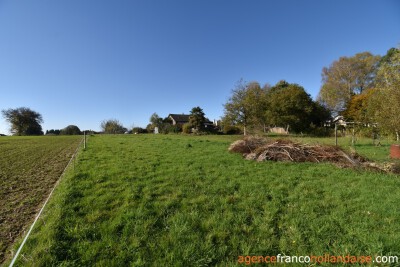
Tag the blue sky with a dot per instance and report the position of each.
(80, 62)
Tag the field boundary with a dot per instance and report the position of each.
(44, 205)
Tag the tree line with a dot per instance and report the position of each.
(287, 105)
(25, 121)
(195, 124)
(364, 89)
(69, 130)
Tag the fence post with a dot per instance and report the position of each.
(335, 134)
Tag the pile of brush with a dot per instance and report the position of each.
(260, 149)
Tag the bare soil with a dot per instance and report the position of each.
(29, 168)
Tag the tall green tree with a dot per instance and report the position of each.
(357, 108)
(256, 99)
(389, 57)
(197, 118)
(281, 105)
(386, 104)
(290, 106)
(246, 105)
(24, 121)
(156, 120)
(237, 110)
(346, 77)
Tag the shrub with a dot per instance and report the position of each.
(210, 129)
(187, 128)
(138, 130)
(229, 129)
(71, 130)
(321, 131)
(53, 132)
(112, 126)
(169, 128)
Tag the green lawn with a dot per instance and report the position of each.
(170, 200)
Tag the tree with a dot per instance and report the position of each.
(246, 106)
(187, 128)
(197, 118)
(346, 77)
(290, 106)
(256, 99)
(389, 56)
(149, 128)
(164, 125)
(236, 110)
(357, 108)
(386, 104)
(71, 130)
(112, 126)
(24, 121)
(155, 120)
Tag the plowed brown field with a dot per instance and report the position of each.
(29, 168)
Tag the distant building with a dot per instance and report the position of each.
(209, 124)
(179, 118)
(339, 120)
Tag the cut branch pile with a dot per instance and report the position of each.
(260, 149)
(248, 144)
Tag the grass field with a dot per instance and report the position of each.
(29, 167)
(165, 200)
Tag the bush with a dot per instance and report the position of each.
(229, 129)
(169, 128)
(112, 126)
(211, 130)
(321, 131)
(187, 128)
(71, 130)
(138, 130)
(150, 128)
(53, 132)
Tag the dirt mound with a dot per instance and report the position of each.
(261, 149)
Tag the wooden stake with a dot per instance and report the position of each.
(335, 134)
